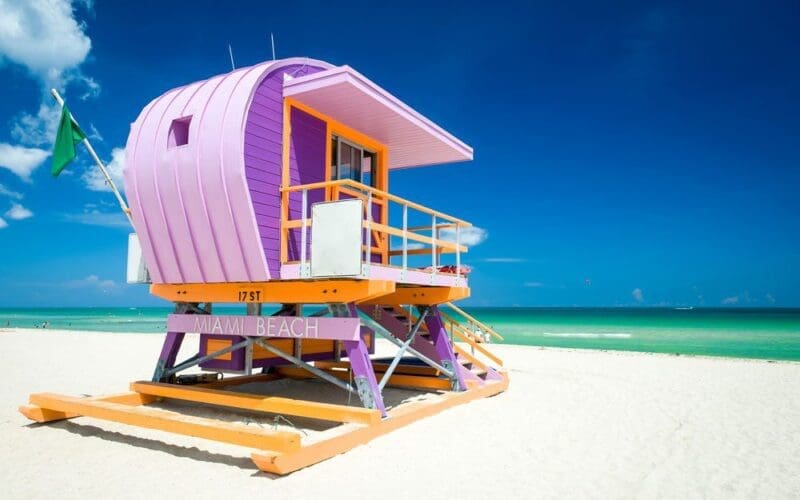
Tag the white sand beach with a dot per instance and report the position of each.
(573, 423)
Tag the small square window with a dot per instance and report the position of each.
(179, 132)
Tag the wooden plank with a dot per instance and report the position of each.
(396, 380)
(255, 402)
(285, 463)
(150, 418)
(43, 415)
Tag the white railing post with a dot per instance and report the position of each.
(458, 251)
(433, 243)
(405, 238)
(303, 230)
(369, 228)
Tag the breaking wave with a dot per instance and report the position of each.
(587, 335)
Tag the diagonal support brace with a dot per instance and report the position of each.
(403, 349)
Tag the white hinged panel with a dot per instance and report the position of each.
(137, 269)
(336, 238)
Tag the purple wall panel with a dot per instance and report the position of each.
(308, 162)
(262, 149)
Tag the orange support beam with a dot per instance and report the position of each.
(43, 415)
(255, 402)
(284, 463)
(162, 420)
(292, 292)
(420, 295)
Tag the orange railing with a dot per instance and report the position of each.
(378, 233)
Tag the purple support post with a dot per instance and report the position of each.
(363, 373)
(169, 352)
(441, 343)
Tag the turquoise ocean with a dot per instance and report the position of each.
(745, 332)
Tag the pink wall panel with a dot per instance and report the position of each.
(192, 205)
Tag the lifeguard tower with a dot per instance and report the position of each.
(270, 185)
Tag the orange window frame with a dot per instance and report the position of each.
(334, 127)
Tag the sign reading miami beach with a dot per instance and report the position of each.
(266, 326)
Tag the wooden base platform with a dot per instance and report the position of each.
(278, 452)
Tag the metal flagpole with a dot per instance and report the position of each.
(100, 164)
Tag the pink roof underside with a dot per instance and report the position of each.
(191, 204)
(350, 98)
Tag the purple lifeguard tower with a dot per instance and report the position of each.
(270, 185)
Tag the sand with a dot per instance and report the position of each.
(573, 423)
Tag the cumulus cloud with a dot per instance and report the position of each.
(503, 260)
(92, 216)
(20, 160)
(4, 191)
(638, 295)
(92, 281)
(534, 284)
(469, 236)
(95, 180)
(18, 212)
(731, 300)
(3, 223)
(44, 37)
(37, 129)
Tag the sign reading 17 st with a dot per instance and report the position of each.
(266, 326)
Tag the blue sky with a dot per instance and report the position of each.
(629, 153)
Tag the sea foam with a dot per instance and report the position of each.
(588, 335)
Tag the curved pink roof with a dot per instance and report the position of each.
(185, 179)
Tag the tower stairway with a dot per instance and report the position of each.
(476, 363)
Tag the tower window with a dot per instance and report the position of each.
(179, 132)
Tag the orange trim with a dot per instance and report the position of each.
(285, 178)
(284, 291)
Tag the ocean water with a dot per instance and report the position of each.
(746, 333)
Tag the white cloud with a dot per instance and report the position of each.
(21, 160)
(469, 236)
(503, 260)
(534, 284)
(3, 223)
(43, 36)
(18, 212)
(770, 298)
(91, 281)
(4, 191)
(91, 216)
(95, 180)
(731, 300)
(638, 295)
(39, 129)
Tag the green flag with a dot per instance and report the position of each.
(69, 134)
